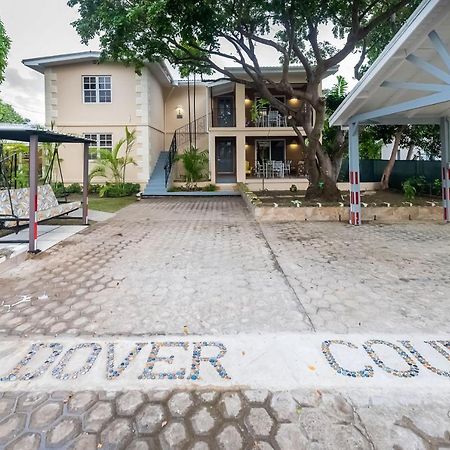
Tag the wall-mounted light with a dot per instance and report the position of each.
(247, 101)
(179, 110)
(294, 101)
(294, 143)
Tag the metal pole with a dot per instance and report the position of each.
(85, 184)
(33, 229)
(445, 161)
(354, 178)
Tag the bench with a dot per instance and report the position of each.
(48, 206)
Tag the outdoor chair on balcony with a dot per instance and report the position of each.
(274, 119)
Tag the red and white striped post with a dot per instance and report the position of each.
(354, 178)
(445, 144)
(33, 205)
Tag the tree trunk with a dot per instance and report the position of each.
(410, 152)
(390, 165)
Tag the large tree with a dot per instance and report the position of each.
(193, 33)
(5, 44)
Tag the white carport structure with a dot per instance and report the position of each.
(409, 83)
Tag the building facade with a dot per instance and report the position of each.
(246, 139)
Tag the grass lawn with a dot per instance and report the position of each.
(110, 204)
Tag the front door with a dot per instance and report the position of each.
(226, 160)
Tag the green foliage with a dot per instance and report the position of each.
(94, 188)
(210, 188)
(59, 189)
(369, 144)
(111, 165)
(409, 190)
(119, 189)
(8, 114)
(195, 164)
(5, 45)
(257, 107)
(436, 187)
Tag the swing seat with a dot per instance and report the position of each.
(48, 206)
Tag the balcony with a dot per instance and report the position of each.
(223, 117)
(267, 118)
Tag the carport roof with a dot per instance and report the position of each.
(22, 133)
(409, 83)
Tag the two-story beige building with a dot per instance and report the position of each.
(99, 99)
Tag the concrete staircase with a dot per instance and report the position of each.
(156, 184)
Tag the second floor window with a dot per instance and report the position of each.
(97, 88)
(102, 141)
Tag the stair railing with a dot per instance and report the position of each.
(182, 138)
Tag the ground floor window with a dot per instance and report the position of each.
(102, 141)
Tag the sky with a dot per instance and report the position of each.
(43, 28)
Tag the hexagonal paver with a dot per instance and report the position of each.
(81, 401)
(284, 406)
(229, 438)
(28, 441)
(6, 406)
(256, 395)
(262, 445)
(208, 396)
(290, 436)
(150, 418)
(30, 400)
(139, 444)
(129, 402)
(230, 405)
(180, 403)
(63, 431)
(97, 417)
(117, 434)
(202, 421)
(201, 445)
(45, 415)
(258, 422)
(84, 441)
(174, 436)
(11, 427)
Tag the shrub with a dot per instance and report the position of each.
(94, 188)
(409, 190)
(74, 188)
(119, 189)
(195, 164)
(210, 188)
(59, 189)
(436, 187)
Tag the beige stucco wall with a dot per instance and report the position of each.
(137, 102)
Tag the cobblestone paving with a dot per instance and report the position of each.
(206, 267)
(383, 278)
(167, 266)
(201, 420)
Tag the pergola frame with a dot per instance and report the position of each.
(31, 135)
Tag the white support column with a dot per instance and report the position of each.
(354, 178)
(85, 184)
(33, 204)
(445, 145)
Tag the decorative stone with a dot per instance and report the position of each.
(80, 402)
(230, 405)
(180, 404)
(63, 431)
(284, 406)
(117, 434)
(290, 436)
(202, 421)
(258, 422)
(229, 438)
(158, 395)
(97, 417)
(256, 395)
(150, 418)
(29, 441)
(45, 415)
(129, 402)
(173, 437)
(11, 427)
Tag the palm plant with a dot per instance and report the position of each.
(195, 162)
(110, 164)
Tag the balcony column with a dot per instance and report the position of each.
(212, 157)
(240, 157)
(240, 105)
(445, 161)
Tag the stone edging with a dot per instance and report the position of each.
(391, 214)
